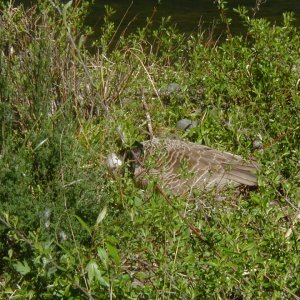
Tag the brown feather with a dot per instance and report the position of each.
(180, 166)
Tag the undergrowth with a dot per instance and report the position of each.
(71, 230)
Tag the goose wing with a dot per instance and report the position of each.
(181, 166)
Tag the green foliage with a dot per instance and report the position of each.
(70, 229)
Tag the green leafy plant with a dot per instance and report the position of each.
(71, 229)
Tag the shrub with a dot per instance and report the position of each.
(70, 229)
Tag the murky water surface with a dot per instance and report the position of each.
(186, 13)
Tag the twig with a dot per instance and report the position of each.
(87, 72)
(256, 8)
(148, 117)
(149, 76)
(291, 229)
(120, 23)
(191, 226)
(285, 289)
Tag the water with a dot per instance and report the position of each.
(188, 13)
(185, 13)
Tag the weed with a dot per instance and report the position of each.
(71, 229)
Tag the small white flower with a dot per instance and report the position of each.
(47, 224)
(45, 261)
(63, 236)
(47, 213)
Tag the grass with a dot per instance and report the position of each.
(71, 230)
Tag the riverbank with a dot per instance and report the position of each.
(72, 229)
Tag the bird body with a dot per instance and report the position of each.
(180, 167)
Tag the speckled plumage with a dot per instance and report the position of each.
(180, 167)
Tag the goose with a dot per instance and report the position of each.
(179, 167)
